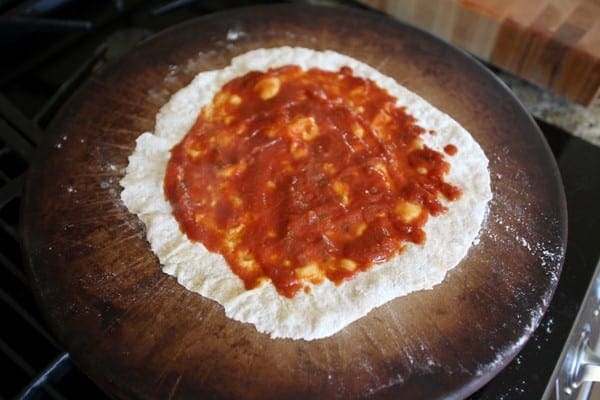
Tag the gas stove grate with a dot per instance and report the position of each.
(34, 365)
(54, 45)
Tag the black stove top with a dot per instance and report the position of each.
(50, 46)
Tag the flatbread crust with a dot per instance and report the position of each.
(327, 308)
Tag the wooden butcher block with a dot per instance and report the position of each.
(139, 334)
(554, 44)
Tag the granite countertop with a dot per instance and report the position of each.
(583, 122)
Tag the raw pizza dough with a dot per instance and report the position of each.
(328, 308)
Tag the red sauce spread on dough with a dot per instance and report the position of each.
(297, 176)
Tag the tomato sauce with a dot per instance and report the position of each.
(298, 176)
(450, 149)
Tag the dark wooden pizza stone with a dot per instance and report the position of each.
(139, 334)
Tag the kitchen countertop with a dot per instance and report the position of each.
(583, 122)
(553, 44)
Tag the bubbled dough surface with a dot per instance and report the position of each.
(328, 308)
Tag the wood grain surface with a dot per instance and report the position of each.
(139, 334)
(552, 43)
